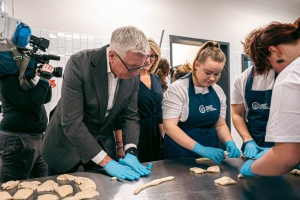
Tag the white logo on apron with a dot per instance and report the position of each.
(204, 109)
(263, 106)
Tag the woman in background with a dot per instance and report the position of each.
(163, 72)
(149, 107)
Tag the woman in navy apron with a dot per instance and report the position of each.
(199, 133)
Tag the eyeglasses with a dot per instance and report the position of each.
(132, 69)
(153, 57)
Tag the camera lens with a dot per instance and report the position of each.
(57, 71)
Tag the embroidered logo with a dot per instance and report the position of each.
(263, 106)
(204, 109)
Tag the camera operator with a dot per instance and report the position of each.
(21, 129)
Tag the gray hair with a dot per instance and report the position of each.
(129, 39)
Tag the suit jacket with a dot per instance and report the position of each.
(79, 121)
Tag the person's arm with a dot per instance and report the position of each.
(174, 132)
(279, 160)
(237, 114)
(222, 130)
(119, 144)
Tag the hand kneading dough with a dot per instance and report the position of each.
(214, 169)
(29, 184)
(225, 181)
(197, 170)
(202, 159)
(47, 197)
(66, 177)
(23, 194)
(10, 185)
(47, 186)
(5, 195)
(295, 171)
(64, 190)
(87, 194)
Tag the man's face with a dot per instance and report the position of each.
(127, 66)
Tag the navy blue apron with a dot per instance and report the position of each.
(259, 108)
(204, 112)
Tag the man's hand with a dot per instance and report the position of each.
(132, 161)
(120, 171)
(215, 154)
(231, 148)
(250, 150)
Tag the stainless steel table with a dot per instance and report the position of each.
(187, 185)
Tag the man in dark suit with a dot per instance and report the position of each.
(98, 85)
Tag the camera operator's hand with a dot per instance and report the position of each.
(45, 68)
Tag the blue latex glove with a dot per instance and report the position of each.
(262, 152)
(231, 148)
(250, 150)
(132, 161)
(215, 154)
(120, 171)
(246, 169)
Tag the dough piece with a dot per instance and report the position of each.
(202, 159)
(85, 183)
(66, 177)
(5, 195)
(10, 185)
(23, 194)
(47, 197)
(64, 190)
(29, 184)
(214, 169)
(225, 181)
(295, 171)
(87, 194)
(226, 153)
(153, 183)
(47, 186)
(197, 170)
(71, 198)
(240, 176)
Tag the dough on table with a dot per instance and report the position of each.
(214, 169)
(153, 183)
(202, 159)
(71, 198)
(85, 183)
(64, 190)
(5, 195)
(240, 176)
(225, 181)
(66, 177)
(47, 186)
(295, 171)
(29, 184)
(197, 170)
(23, 193)
(10, 185)
(47, 197)
(87, 194)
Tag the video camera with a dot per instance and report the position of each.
(42, 44)
(14, 34)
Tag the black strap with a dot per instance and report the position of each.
(22, 63)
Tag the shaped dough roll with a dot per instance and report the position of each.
(23, 194)
(197, 170)
(10, 185)
(64, 190)
(214, 169)
(225, 181)
(47, 186)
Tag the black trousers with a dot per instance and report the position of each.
(21, 157)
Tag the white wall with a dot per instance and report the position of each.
(73, 25)
(222, 20)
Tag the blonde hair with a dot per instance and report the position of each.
(181, 71)
(209, 49)
(154, 46)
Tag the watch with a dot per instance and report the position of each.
(132, 150)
